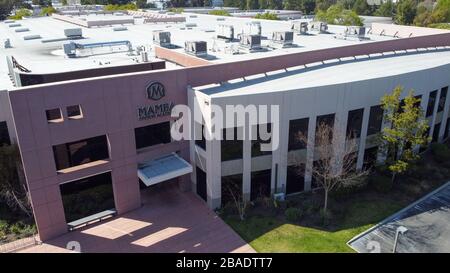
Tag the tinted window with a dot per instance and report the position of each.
(202, 141)
(375, 120)
(87, 196)
(4, 134)
(256, 144)
(370, 157)
(442, 99)
(328, 121)
(201, 183)
(152, 135)
(437, 127)
(354, 123)
(231, 188)
(296, 127)
(73, 111)
(447, 127)
(231, 148)
(53, 114)
(431, 103)
(80, 152)
(260, 184)
(295, 180)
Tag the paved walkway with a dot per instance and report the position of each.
(169, 221)
(427, 221)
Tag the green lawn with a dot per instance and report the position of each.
(274, 234)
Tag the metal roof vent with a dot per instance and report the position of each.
(282, 39)
(120, 28)
(73, 32)
(31, 37)
(15, 25)
(24, 29)
(225, 32)
(196, 48)
(320, 27)
(9, 21)
(161, 38)
(300, 27)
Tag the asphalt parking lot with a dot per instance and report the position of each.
(428, 227)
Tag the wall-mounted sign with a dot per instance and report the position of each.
(155, 91)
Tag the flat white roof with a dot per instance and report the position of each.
(42, 58)
(327, 74)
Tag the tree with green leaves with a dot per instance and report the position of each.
(13, 192)
(405, 131)
(361, 7)
(6, 6)
(336, 14)
(252, 4)
(406, 11)
(267, 16)
(386, 9)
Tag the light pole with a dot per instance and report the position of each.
(400, 230)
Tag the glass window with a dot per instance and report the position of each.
(375, 120)
(201, 183)
(260, 184)
(87, 196)
(354, 123)
(231, 186)
(370, 157)
(431, 103)
(231, 148)
(437, 127)
(256, 144)
(80, 152)
(442, 99)
(201, 142)
(447, 128)
(4, 134)
(73, 111)
(295, 179)
(53, 114)
(152, 135)
(296, 127)
(328, 121)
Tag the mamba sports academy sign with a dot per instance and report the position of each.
(155, 91)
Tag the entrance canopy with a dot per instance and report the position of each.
(162, 169)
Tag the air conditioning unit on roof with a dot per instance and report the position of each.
(197, 48)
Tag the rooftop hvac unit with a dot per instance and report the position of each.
(282, 38)
(300, 27)
(161, 38)
(250, 42)
(73, 32)
(320, 27)
(355, 31)
(197, 48)
(253, 28)
(73, 50)
(225, 32)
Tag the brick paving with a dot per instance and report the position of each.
(169, 221)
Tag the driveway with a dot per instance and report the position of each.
(169, 221)
(427, 221)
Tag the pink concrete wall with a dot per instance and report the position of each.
(109, 105)
(179, 57)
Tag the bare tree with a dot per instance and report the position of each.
(12, 191)
(335, 164)
(238, 199)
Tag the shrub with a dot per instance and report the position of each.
(48, 11)
(381, 183)
(267, 16)
(219, 12)
(293, 214)
(20, 14)
(3, 226)
(441, 152)
(350, 187)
